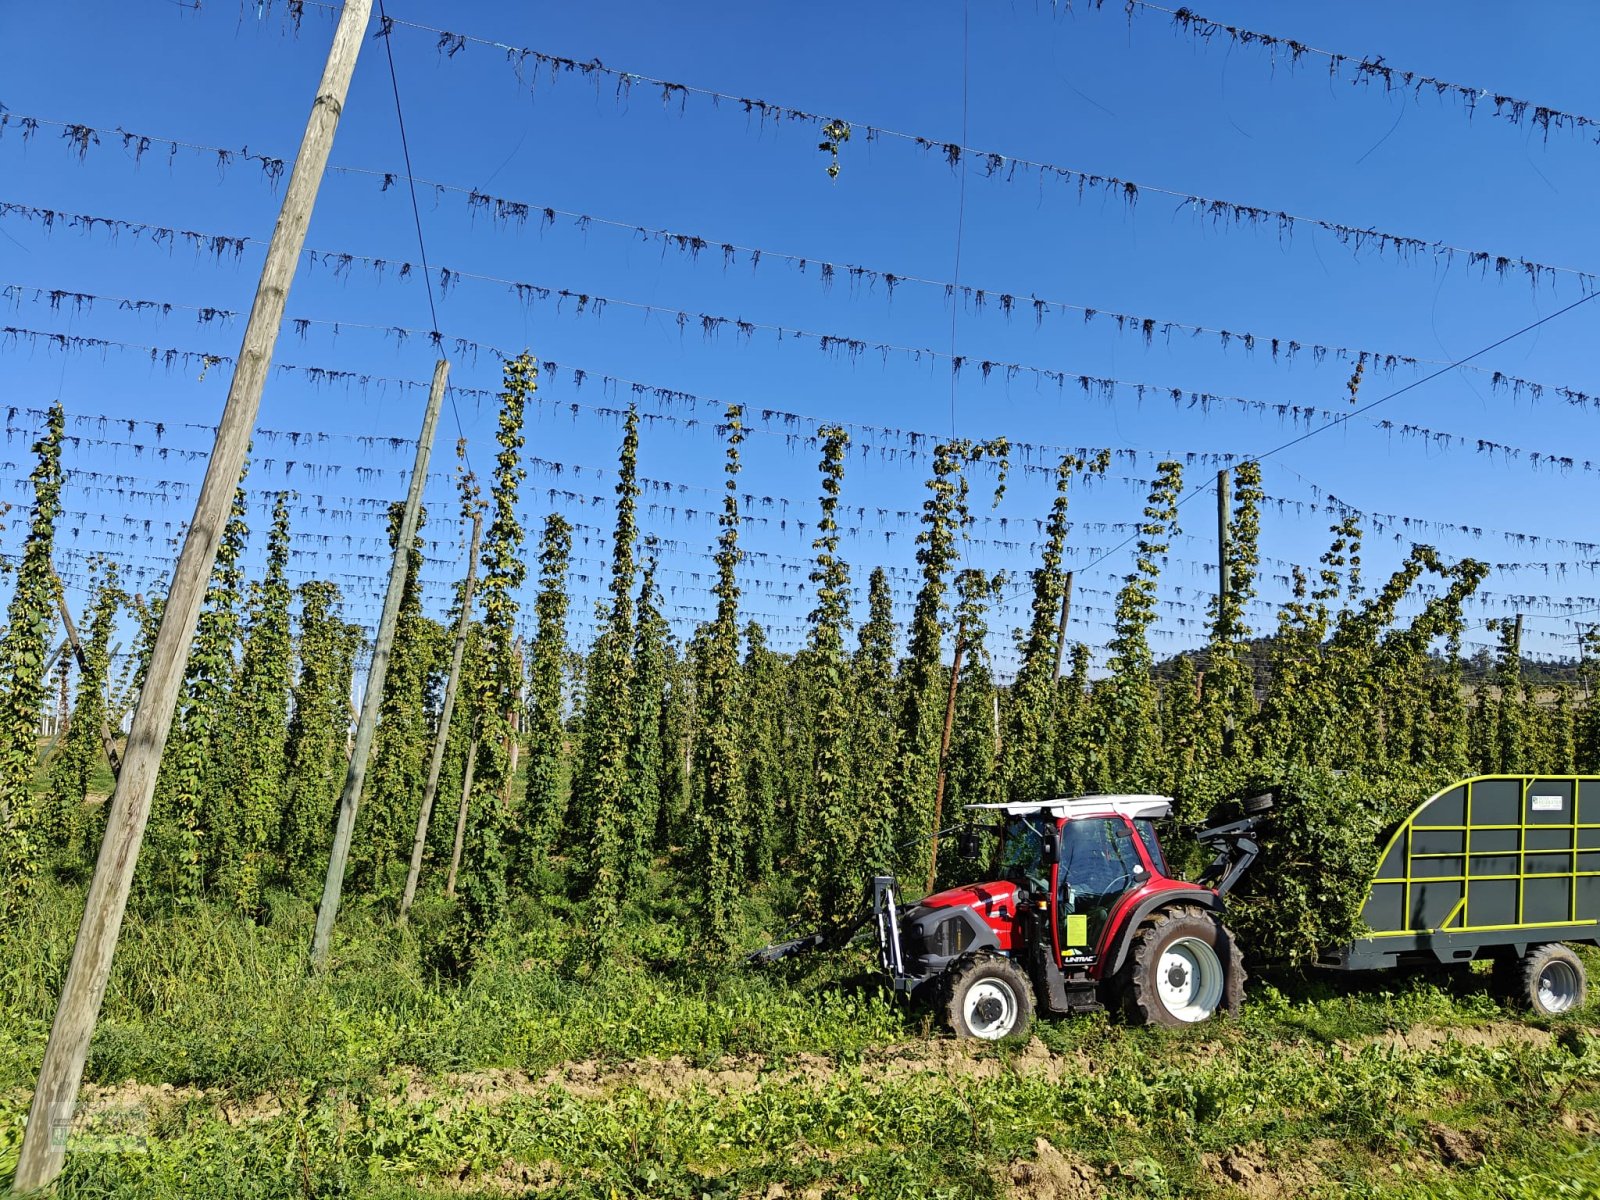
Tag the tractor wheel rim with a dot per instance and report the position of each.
(1189, 979)
(990, 1009)
(1557, 987)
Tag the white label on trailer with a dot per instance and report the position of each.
(1547, 803)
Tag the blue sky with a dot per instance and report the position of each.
(1095, 91)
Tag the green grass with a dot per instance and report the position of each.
(655, 1078)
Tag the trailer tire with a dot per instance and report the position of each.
(1548, 980)
(1185, 965)
(990, 998)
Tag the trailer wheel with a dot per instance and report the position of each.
(1548, 979)
(1184, 965)
(989, 998)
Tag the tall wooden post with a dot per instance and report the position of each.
(44, 1144)
(461, 820)
(445, 713)
(356, 773)
(1224, 576)
(1061, 629)
(1516, 643)
(944, 757)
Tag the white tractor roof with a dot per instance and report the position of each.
(1133, 807)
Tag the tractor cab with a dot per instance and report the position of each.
(1076, 861)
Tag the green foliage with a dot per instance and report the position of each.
(252, 795)
(545, 805)
(648, 752)
(872, 724)
(77, 832)
(23, 649)
(768, 713)
(603, 793)
(834, 134)
(1318, 853)
(315, 749)
(1227, 700)
(911, 780)
(718, 781)
(974, 749)
(1126, 735)
(830, 826)
(248, 1078)
(497, 691)
(403, 739)
(187, 808)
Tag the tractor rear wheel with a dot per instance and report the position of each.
(1184, 965)
(1548, 979)
(989, 998)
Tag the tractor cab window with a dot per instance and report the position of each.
(1098, 863)
(1152, 844)
(1022, 853)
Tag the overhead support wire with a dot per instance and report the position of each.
(1219, 212)
(1376, 69)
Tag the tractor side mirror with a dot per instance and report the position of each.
(1048, 847)
(967, 844)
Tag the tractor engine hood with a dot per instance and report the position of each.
(959, 921)
(992, 901)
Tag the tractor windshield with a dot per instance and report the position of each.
(1022, 852)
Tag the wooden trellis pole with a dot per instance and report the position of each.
(445, 713)
(1061, 629)
(44, 1144)
(83, 665)
(356, 773)
(944, 756)
(461, 820)
(1224, 577)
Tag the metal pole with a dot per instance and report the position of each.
(445, 714)
(1061, 629)
(944, 757)
(61, 1073)
(356, 773)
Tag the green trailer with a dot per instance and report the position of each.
(1505, 867)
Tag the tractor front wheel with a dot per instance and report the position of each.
(1184, 965)
(989, 998)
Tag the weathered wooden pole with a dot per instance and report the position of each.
(1224, 576)
(461, 820)
(44, 1144)
(83, 666)
(1516, 643)
(445, 713)
(944, 756)
(1061, 629)
(356, 773)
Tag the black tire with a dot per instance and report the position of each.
(1548, 980)
(1191, 943)
(989, 998)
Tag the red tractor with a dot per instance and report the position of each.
(1084, 916)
